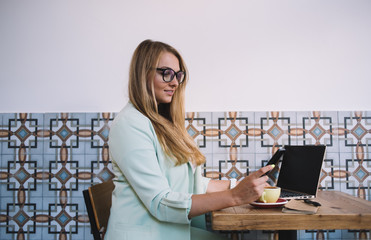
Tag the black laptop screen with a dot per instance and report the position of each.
(301, 168)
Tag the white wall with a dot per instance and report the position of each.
(73, 55)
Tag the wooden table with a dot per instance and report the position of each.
(338, 211)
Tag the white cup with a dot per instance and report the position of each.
(270, 195)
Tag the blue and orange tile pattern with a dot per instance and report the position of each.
(47, 159)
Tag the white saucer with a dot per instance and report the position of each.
(280, 202)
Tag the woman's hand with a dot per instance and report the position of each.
(219, 195)
(251, 187)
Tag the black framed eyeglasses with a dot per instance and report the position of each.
(168, 75)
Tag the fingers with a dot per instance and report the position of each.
(263, 170)
(252, 186)
(267, 185)
(261, 180)
(258, 177)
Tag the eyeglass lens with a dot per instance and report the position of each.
(169, 74)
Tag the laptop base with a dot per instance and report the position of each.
(294, 195)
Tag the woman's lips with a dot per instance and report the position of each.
(169, 92)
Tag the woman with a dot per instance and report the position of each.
(159, 190)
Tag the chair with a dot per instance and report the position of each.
(98, 200)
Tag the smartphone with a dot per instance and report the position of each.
(275, 158)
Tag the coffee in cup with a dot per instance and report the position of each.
(270, 195)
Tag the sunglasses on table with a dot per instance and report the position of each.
(168, 75)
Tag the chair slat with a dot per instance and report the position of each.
(98, 199)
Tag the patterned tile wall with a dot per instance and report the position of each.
(47, 159)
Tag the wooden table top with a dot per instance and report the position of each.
(338, 211)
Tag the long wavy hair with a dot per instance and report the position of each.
(167, 119)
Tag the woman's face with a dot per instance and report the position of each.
(164, 91)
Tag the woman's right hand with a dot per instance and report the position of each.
(246, 191)
(251, 187)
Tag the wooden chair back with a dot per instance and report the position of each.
(98, 199)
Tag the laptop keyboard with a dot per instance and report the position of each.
(285, 194)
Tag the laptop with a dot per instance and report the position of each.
(300, 171)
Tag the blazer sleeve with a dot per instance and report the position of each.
(201, 182)
(133, 145)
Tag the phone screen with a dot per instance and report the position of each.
(275, 158)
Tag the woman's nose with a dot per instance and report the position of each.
(174, 82)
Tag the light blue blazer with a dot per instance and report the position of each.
(152, 196)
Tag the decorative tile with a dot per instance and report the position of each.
(275, 130)
(354, 131)
(47, 159)
(355, 234)
(323, 234)
(231, 131)
(319, 128)
(329, 177)
(200, 130)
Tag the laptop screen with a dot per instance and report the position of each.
(301, 168)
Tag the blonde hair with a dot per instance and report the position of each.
(167, 119)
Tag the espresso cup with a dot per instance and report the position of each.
(270, 195)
